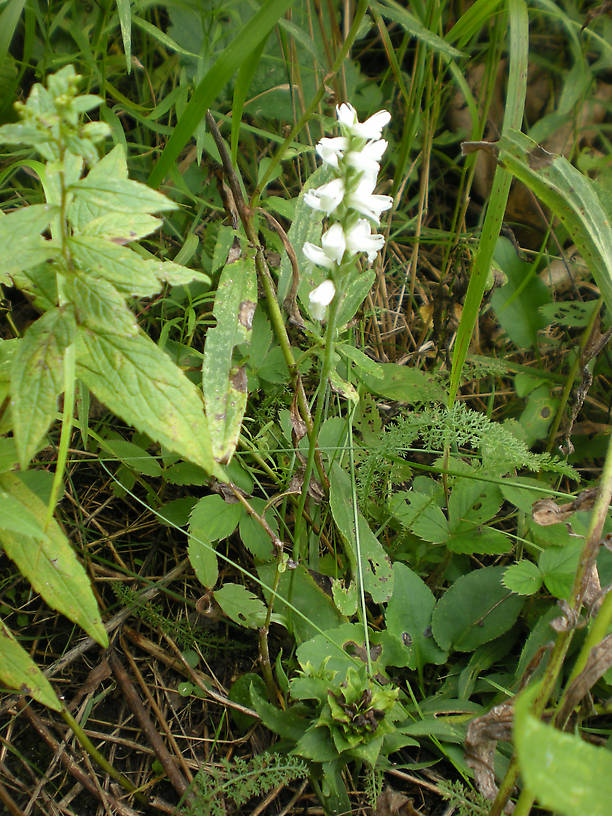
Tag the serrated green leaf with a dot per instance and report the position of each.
(558, 567)
(15, 518)
(102, 193)
(99, 305)
(120, 265)
(403, 384)
(241, 606)
(345, 597)
(23, 227)
(408, 618)
(224, 385)
(472, 502)
(524, 578)
(424, 518)
(136, 380)
(477, 608)
(572, 313)
(213, 519)
(175, 274)
(375, 563)
(122, 228)
(485, 541)
(564, 773)
(203, 559)
(18, 671)
(37, 378)
(20, 231)
(51, 565)
(185, 473)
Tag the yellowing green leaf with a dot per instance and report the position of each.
(51, 565)
(224, 383)
(18, 671)
(141, 384)
(37, 378)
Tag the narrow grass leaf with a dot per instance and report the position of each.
(124, 10)
(247, 39)
(513, 117)
(394, 11)
(572, 197)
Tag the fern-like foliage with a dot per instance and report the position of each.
(460, 427)
(181, 632)
(239, 780)
(466, 802)
(500, 449)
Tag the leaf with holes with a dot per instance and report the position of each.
(408, 618)
(241, 606)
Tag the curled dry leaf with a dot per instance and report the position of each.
(482, 737)
(546, 511)
(393, 803)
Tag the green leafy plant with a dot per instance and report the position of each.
(239, 780)
(71, 258)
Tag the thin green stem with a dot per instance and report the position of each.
(99, 758)
(326, 366)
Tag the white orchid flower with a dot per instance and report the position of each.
(365, 202)
(333, 246)
(359, 238)
(370, 129)
(330, 150)
(320, 298)
(367, 159)
(327, 197)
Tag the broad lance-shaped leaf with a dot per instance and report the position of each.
(37, 378)
(570, 195)
(106, 188)
(21, 240)
(51, 565)
(141, 384)
(225, 385)
(375, 564)
(18, 671)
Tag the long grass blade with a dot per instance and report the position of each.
(513, 117)
(243, 44)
